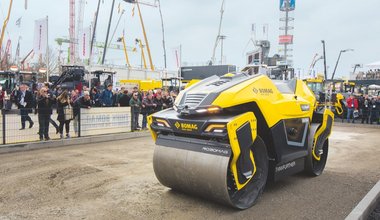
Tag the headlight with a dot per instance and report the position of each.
(216, 128)
(162, 123)
(208, 109)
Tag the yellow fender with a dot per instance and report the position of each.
(323, 132)
(152, 132)
(232, 128)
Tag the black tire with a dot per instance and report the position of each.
(249, 195)
(314, 167)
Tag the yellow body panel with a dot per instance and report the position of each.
(274, 105)
(232, 127)
(192, 82)
(152, 132)
(320, 130)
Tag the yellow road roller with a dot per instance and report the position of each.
(226, 136)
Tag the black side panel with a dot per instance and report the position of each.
(317, 117)
(285, 150)
(262, 127)
(296, 131)
(244, 164)
(321, 139)
(289, 168)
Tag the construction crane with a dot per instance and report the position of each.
(72, 31)
(122, 39)
(6, 55)
(5, 25)
(143, 29)
(30, 54)
(315, 60)
(62, 40)
(138, 41)
(218, 37)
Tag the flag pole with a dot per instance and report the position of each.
(47, 49)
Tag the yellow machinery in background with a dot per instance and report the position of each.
(227, 135)
(336, 99)
(142, 85)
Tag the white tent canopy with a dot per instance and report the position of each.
(373, 65)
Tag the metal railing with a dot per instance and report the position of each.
(93, 121)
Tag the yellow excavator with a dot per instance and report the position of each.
(226, 136)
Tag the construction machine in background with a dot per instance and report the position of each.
(335, 100)
(227, 135)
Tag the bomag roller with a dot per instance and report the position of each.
(227, 136)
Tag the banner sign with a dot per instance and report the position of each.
(287, 5)
(285, 39)
(110, 120)
(40, 36)
(84, 43)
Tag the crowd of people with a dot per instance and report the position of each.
(365, 107)
(67, 104)
(371, 74)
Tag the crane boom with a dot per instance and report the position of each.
(312, 64)
(5, 24)
(219, 30)
(145, 37)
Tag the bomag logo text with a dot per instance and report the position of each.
(263, 91)
(186, 126)
(266, 90)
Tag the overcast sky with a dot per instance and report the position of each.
(193, 24)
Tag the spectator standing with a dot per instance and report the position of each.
(81, 102)
(95, 97)
(158, 91)
(25, 103)
(63, 104)
(159, 102)
(2, 97)
(44, 103)
(173, 95)
(124, 100)
(53, 95)
(135, 104)
(119, 95)
(352, 105)
(74, 96)
(108, 81)
(106, 97)
(374, 110)
(139, 94)
(364, 108)
(148, 107)
(167, 100)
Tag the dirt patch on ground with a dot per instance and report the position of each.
(115, 180)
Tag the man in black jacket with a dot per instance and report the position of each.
(25, 103)
(82, 102)
(44, 103)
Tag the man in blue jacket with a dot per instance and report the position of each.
(107, 97)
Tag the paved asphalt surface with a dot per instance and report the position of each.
(115, 180)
